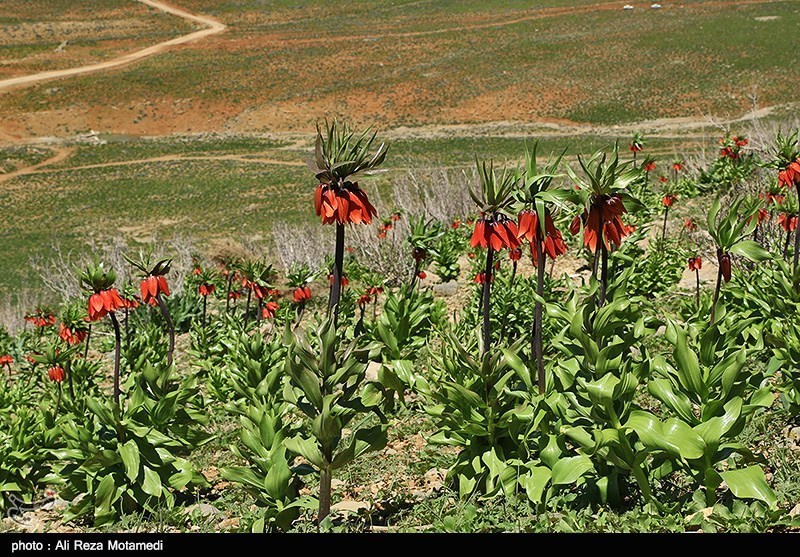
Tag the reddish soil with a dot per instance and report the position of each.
(287, 91)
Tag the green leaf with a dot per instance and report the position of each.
(569, 470)
(680, 434)
(689, 373)
(750, 250)
(750, 483)
(677, 402)
(364, 440)
(278, 477)
(130, 458)
(152, 483)
(307, 449)
(535, 482)
(104, 495)
(242, 475)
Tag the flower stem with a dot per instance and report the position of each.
(664, 228)
(796, 240)
(487, 285)
(603, 273)
(416, 273)
(786, 246)
(68, 367)
(205, 305)
(697, 274)
(228, 293)
(716, 292)
(88, 338)
(537, 350)
(247, 308)
(58, 401)
(170, 327)
(338, 271)
(117, 349)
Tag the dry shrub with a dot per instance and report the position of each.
(298, 244)
(13, 308)
(60, 270)
(436, 193)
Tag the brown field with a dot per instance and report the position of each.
(279, 67)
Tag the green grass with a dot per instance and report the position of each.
(203, 199)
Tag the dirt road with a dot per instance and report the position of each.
(213, 27)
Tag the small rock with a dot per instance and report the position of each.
(337, 484)
(795, 511)
(446, 288)
(372, 371)
(350, 506)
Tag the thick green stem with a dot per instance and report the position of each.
(170, 327)
(487, 285)
(117, 349)
(205, 306)
(325, 477)
(338, 272)
(414, 278)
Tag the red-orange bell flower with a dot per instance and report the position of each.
(56, 373)
(71, 336)
(787, 222)
(269, 309)
(343, 204)
(152, 286)
(103, 302)
(790, 176)
(496, 232)
(668, 200)
(301, 294)
(695, 263)
(612, 228)
(530, 230)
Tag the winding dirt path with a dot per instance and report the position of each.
(61, 154)
(213, 27)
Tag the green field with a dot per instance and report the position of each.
(205, 197)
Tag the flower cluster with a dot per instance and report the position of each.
(732, 146)
(604, 217)
(551, 241)
(495, 231)
(344, 203)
